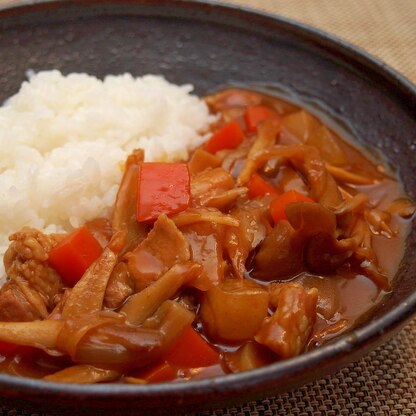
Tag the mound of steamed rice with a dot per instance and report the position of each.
(63, 140)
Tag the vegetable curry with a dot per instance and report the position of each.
(275, 237)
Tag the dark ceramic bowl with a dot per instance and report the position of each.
(210, 46)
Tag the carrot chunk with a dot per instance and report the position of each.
(74, 254)
(191, 351)
(229, 137)
(257, 186)
(7, 348)
(255, 115)
(163, 188)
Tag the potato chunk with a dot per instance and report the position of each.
(234, 310)
(288, 330)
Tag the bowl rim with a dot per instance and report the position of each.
(231, 383)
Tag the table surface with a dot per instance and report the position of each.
(384, 381)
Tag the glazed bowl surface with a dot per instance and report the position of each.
(210, 46)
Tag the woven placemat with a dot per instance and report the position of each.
(384, 382)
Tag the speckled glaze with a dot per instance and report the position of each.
(210, 46)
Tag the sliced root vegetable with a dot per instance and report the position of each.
(143, 304)
(223, 199)
(39, 334)
(124, 213)
(83, 374)
(194, 215)
(88, 294)
(345, 176)
(126, 200)
(234, 310)
(154, 256)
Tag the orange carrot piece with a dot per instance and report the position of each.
(229, 137)
(74, 254)
(257, 186)
(163, 188)
(255, 115)
(191, 351)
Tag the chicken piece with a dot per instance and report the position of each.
(119, 287)
(202, 160)
(164, 246)
(215, 188)
(14, 307)
(240, 241)
(31, 290)
(206, 239)
(287, 332)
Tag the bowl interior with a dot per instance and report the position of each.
(212, 46)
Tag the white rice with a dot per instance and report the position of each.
(63, 140)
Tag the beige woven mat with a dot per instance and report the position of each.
(384, 382)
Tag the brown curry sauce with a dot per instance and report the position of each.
(345, 294)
